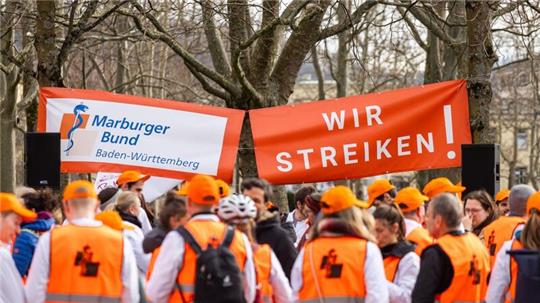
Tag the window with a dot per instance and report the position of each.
(521, 175)
(522, 139)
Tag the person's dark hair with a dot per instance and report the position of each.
(250, 183)
(42, 200)
(449, 208)
(487, 204)
(302, 193)
(173, 206)
(392, 215)
(391, 192)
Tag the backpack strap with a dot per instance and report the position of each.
(188, 237)
(229, 235)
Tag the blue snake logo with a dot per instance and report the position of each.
(76, 124)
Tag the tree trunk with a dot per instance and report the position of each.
(481, 59)
(246, 152)
(8, 86)
(7, 135)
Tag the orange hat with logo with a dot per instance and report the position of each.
(339, 198)
(409, 199)
(223, 187)
(202, 189)
(533, 203)
(113, 220)
(130, 176)
(9, 202)
(378, 188)
(79, 189)
(441, 185)
(503, 194)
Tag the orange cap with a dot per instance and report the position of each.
(503, 194)
(223, 187)
(339, 198)
(533, 203)
(131, 176)
(183, 189)
(441, 185)
(113, 220)
(409, 199)
(378, 188)
(78, 190)
(9, 202)
(202, 189)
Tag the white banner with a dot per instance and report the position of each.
(101, 131)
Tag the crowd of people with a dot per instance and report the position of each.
(207, 244)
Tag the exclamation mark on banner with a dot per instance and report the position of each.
(449, 130)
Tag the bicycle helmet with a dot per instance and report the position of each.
(236, 208)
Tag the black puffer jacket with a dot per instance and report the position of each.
(269, 231)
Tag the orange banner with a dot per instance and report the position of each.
(402, 130)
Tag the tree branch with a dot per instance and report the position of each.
(213, 38)
(255, 96)
(165, 37)
(413, 30)
(349, 22)
(294, 52)
(209, 88)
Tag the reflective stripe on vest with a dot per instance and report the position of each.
(263, 266)
(204, 232)
(85, 264)
(391, 264)
(470, 262)
(336, 300)
(333, 268)
(420, 236)
(80, 298)
(511, 295)
(498, 232)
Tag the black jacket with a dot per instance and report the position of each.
(269, 231)
(153, 239)
(435, 276)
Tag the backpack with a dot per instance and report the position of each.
(528, 277)
(217, 276)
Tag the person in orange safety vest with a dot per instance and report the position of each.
(456, 267)
(84, 260)
(340, 261)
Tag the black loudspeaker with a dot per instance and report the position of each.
(480, 167)
(42, 159)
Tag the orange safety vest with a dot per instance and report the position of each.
(333, 267)
(511, 295)
(498, 232)
(152, 263)
(420, 236)
(470, 262)
(263, 266)
(85, 264)
(204, 232)
(391, 264)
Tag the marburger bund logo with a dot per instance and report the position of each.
(71, 122)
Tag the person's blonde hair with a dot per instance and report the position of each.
(530, 236)
(358, 221)
(126, 200)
